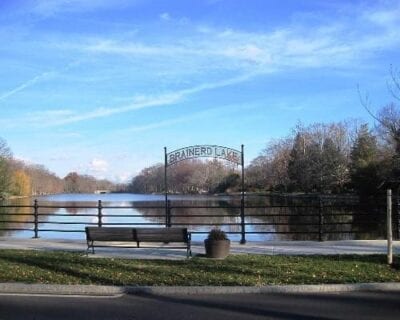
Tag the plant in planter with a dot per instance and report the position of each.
(217, 244)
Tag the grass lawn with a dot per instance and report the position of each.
(59, 267)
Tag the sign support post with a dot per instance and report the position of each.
(242, 217)
(207, 151)
(166, 187)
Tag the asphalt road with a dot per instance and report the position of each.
(355, 305)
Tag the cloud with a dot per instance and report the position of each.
(37, 79)
(27, 84)
(165, 16)
(48, 8)
(50, 118)
(98, 166)
(322, 43)
(386, 18)
(209, 113)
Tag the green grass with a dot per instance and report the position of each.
(242, 270)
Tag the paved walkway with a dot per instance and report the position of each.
(269, 248)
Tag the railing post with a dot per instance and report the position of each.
(242, 222)
(36, 219)
(99, 214)
(321, 220)
(389, 236)
(168, 215)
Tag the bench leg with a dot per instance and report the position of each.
(90, 245)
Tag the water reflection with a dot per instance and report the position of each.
(272, 218)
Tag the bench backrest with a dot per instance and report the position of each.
(161, 234)
(137, 234)
(109, 234)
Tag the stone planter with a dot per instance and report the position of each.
(217, 249)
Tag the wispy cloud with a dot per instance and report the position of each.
(335, 43)
(27, 84)
(37, 79)
(49, 118)
(48, 8)
(188, 118)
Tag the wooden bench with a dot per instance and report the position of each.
(137, 235)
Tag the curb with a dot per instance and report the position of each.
(64, 290)
(113, 291)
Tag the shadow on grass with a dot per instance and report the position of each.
(235, 270)
(60, 266)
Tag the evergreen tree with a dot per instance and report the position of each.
(301, 170)
(333, 167)
(364, 167)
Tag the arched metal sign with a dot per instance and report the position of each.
(210, 151)
(199, 151)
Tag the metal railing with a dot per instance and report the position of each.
(316, 221)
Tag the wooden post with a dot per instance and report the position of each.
(389, 227)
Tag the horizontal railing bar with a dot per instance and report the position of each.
(16, 206)
(96, 215)
(206, 224)
(15, 221)
(348, 223)
(66, 207)
(201, 216)
(15, 229)
(16, 213)
(133, 216)
(134, 207)
(370, 216)
(58, 230)
(281, 215)
(134, 223)
(280, 224)
(67, 222)
(103, 207)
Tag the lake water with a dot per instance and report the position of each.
(274, 222)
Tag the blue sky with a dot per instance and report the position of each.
(101, 86)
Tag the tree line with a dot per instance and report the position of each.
(187, 177)
(337, 157)
(18, 178)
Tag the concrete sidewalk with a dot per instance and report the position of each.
(162, 251)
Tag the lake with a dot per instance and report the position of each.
(267, 217)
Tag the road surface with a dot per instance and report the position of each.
(356, 305)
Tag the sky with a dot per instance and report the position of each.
(101, 87)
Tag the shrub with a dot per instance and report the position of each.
(217, 234)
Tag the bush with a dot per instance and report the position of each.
(217, 234)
